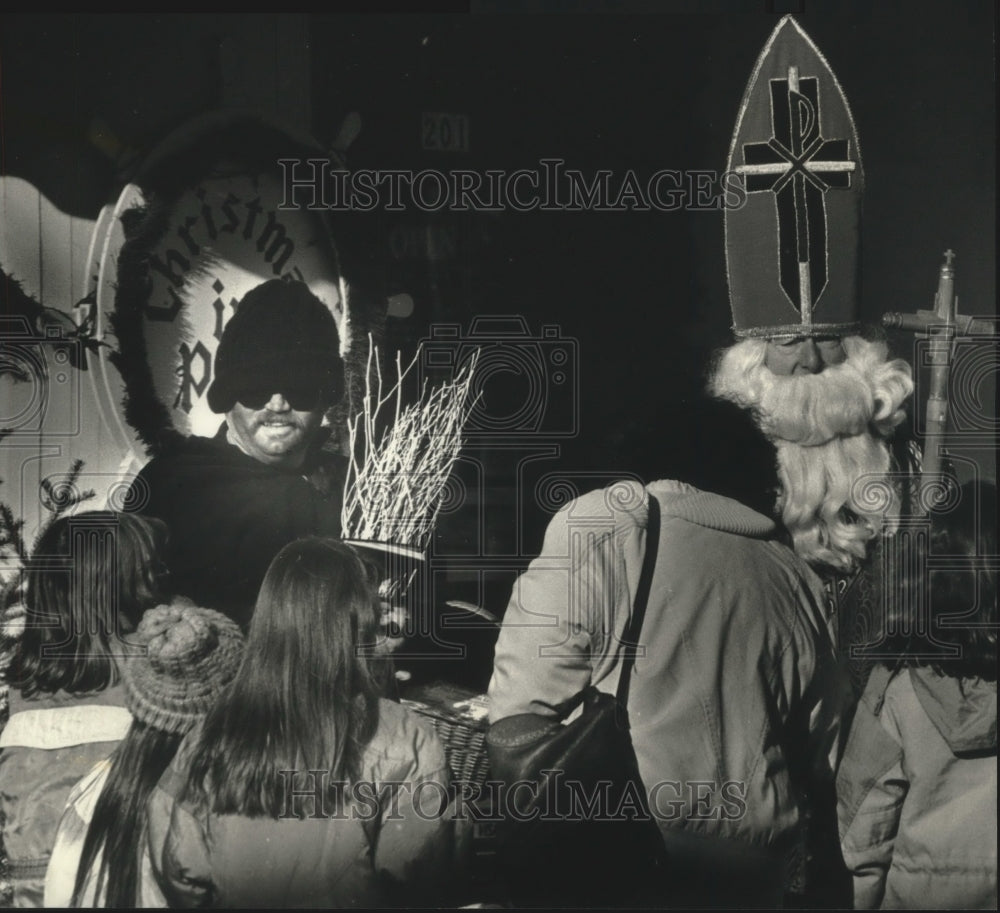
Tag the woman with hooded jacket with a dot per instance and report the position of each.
(917, 786)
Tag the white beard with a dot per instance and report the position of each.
(830, 430)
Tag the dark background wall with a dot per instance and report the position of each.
(641, 294)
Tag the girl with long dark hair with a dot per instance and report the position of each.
(303, 787)
(89, 579)
(188, 656)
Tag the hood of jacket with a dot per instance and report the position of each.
(964, 710)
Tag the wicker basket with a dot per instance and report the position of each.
(459, 718)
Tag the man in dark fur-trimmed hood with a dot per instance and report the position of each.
(234, 500)
(231, 300)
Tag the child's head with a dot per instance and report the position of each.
(189, 656)
(956, 588)
(90, 577)
(318, 600)
(314, 629)
(306, 696)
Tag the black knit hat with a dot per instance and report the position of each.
(282, 337)
(190, 655)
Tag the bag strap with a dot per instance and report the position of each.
(634, 628)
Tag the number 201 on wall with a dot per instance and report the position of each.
(444, 132)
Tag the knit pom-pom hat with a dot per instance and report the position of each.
(190, 654)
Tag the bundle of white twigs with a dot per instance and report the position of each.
(399, 466)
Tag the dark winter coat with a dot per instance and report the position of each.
(229, 515)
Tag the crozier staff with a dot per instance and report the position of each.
(234, 500)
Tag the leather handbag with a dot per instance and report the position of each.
(576, 828)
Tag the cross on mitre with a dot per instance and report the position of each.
(798, 166)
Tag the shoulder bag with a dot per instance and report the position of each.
(576, 829)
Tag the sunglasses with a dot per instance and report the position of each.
(301, 399)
